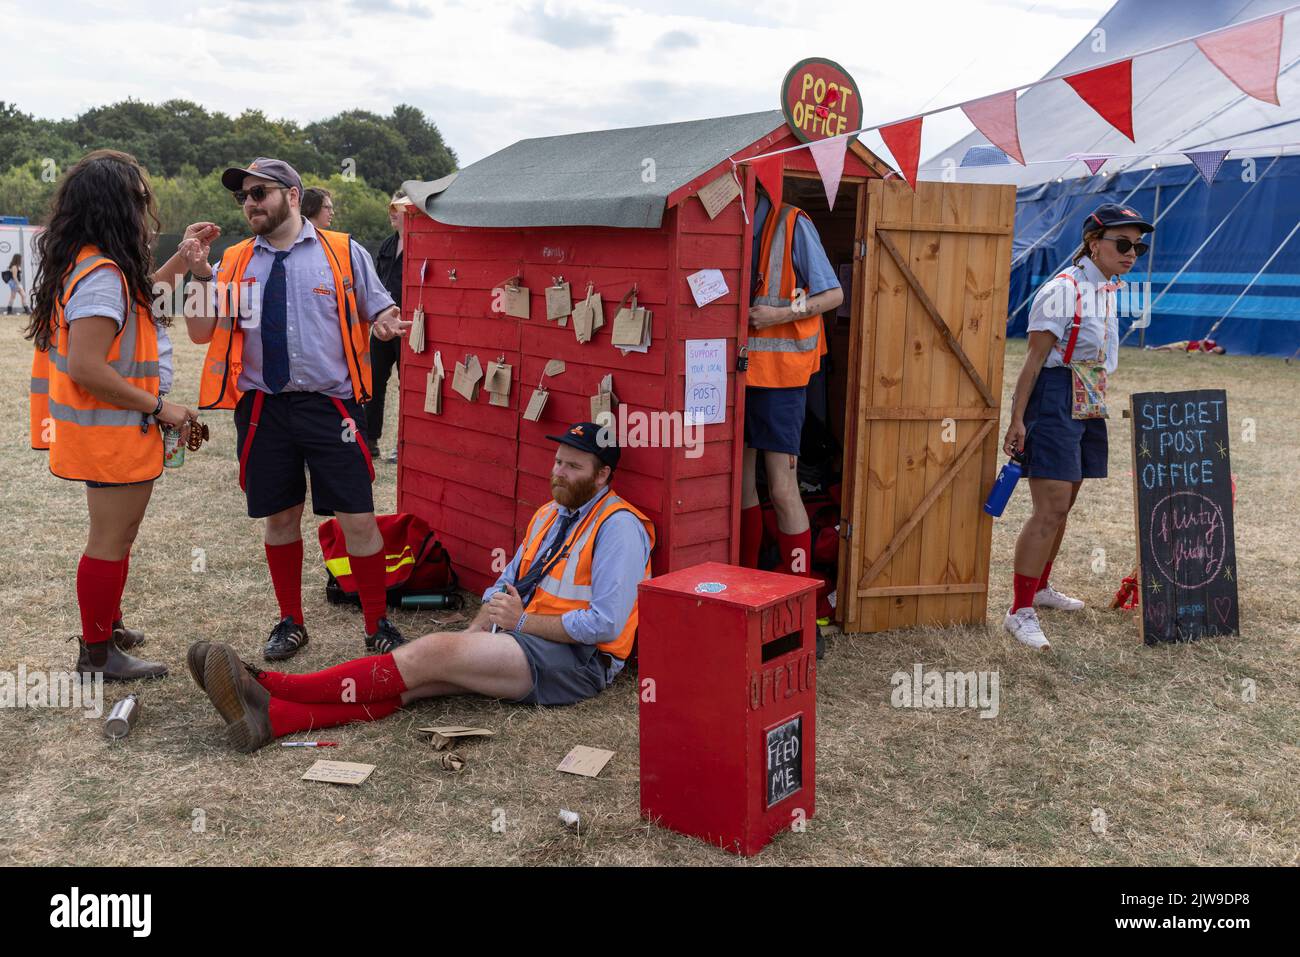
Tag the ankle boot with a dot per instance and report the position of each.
(126, 638)
(116, 665)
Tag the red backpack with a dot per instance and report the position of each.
(417, 564)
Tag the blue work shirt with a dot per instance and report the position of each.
(617, 567)
(812, 269)
(317, 362)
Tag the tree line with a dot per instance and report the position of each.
(360, 156)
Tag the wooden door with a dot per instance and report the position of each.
(927, 383)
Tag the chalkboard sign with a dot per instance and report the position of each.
(1182, 472)
(784, 760)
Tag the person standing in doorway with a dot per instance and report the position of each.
(386, 356)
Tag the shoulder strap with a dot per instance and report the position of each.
(1078, 318)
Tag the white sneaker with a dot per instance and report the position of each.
(1049, 597)
(1023, 624)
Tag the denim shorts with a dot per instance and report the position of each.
(563, 673)
(1057, 445)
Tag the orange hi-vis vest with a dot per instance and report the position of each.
(567, 585)
(218, 386)
(90, 440)
(785, 355)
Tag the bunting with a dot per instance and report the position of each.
(1249, 56)
(1109, 91)
(995, 117)
(829, 155)
(769, 171)
(904, 142)
(1207, 163)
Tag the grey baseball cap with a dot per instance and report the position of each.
(267, 168)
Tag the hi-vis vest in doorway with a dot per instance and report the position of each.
(90, 440)
(785, 355)
(568, 583)
(218, 386)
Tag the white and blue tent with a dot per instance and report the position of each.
(1225, 257)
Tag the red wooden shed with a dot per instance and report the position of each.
(618, 209)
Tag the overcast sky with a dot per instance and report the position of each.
(490, 72)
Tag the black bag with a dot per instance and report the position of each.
(6, 275)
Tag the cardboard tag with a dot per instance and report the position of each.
(559, 302)
(554, 367)
(416, 335)
(629, 325)
(516, 301)
(584, 321)
(716, 195)
(465, 381)
(604, 401)
(536, 404)
(644, 345)
(338, 772)
(597, 311)
(497, 383)
(444, 737)
(585, 761)
(433, 386)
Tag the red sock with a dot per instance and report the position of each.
(360, 681)
(1024, 589)
(285, 562)
(290, 716)
(751, 535)
(369, 571)
(126, 570)
(99, 585)
(796, 552)
(1042, 579)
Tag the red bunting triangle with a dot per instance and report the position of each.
(1094, 163)
(769, 171)
(829, 156)
(1249, 56)
(1109, 91)
(904, 142)
(995, 117)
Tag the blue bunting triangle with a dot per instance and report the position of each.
(1207, 163)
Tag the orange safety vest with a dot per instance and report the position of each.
(218, 386)
(90, 440)
(568, 583)
(785, 355)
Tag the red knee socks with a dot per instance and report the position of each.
(360, 681)
(1024, 588)
(290, 716)
(368, 570)
(285, 562)
(796, 553)
(1042, 579)
(751, 535)
(126, 570)
(99, 586)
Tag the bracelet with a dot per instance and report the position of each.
(158, 407)
(520, 626)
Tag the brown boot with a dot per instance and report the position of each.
(115, 664)
(196, 659)
(243, 702)
(126, 638)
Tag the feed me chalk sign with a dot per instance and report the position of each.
(820, 100)
(1183, 476)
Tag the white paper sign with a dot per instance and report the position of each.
(707, 285)
(706, 381)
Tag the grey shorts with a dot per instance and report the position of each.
(563, 674)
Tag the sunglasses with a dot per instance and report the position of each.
(258, 193)
(1123, 245)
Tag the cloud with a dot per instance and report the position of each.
(677, 40)
(566, 29)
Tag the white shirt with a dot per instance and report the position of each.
(1053, 311)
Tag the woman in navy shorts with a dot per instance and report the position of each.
(1073, 336)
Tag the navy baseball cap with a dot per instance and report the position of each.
(582, 436)
(1113, 214)
(267, 168)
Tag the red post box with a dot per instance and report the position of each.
(727, 662)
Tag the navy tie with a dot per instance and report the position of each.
(275, 337)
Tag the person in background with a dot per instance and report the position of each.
(1073, 321)
(318, 206)
(101, 369)
(386, 356)
(14, 280)
(1208, 346)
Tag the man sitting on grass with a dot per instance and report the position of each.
(556, 628)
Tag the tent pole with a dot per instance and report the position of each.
(1182, 269)
(1155, 217)
(1214, 328)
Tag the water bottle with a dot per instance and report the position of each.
(1004, 486)
(428, 601)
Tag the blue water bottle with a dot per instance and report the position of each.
(1004, 486)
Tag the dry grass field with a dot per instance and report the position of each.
(1159, 740)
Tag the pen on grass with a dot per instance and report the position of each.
(309, 744)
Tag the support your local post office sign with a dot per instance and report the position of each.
(820, 100)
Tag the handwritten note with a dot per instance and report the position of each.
(707, 285)
(706, 381)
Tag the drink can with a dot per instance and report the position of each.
(173, 448)
(122, 718)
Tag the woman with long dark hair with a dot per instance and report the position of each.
(101, 369)
(14, 279)
(1058, 414)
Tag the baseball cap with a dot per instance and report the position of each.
(1113, 214)
(267, 168)
(583, 436)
